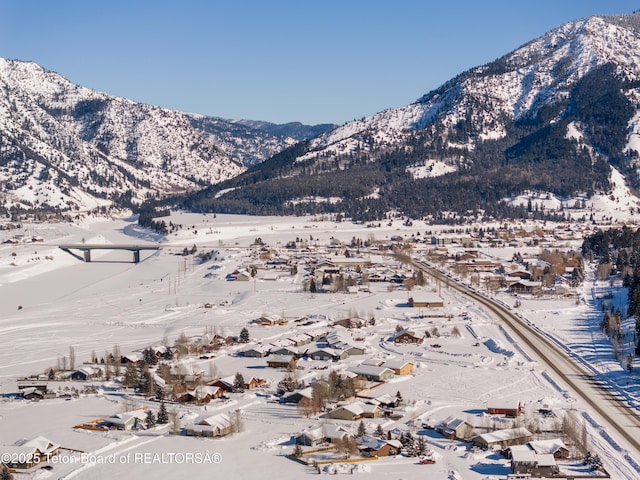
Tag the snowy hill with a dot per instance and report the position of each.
(65, 147)
(554, 116)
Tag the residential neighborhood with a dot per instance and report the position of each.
(369, 357)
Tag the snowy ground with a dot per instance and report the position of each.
(51, 301)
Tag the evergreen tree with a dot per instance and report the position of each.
(379, 432)
(149, 356)
(287, 384)
(238, 383)
(408, 444)
(5, 474)
(163, 415)
(146, 384)
(130, 375)
(421, 445)
(362, 429)
(150, 419)
(244, 335)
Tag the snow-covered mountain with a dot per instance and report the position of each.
(514, 87)
(63, 146)
(560, 107)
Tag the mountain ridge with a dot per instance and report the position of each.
(539, 117)
(66, 147)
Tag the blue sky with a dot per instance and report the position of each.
(279, 60)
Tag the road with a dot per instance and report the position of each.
(611, 413)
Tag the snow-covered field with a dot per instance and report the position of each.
(51, 301)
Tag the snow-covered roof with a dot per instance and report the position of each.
(220, 420)
(547, 446)
(504, 435)
(523, 455)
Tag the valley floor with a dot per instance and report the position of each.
(51, 301)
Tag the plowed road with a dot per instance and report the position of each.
(613, 414)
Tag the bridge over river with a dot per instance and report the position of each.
(86, 248)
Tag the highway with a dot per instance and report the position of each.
(611, 413)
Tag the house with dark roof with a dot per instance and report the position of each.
(407, 336)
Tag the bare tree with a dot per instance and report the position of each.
(238, 425)
(306, 407)
(117, 360)
(72, 358)
(346, 446)
(174, 421)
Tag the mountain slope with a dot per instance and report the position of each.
(553, 115)
(66, 147)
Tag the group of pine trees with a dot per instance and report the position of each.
(617, 251)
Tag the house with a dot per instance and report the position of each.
(269, 320)
(297, 395)
(45, 447)
(300, 339)
(354, 411)
(455, 428)
(351, 322)
(555, 447)
(351, 412)
(226, 383)
(133, 357)
(33, 393)
(201, 394)
(39, 383)
(282, 361)
(387, 401)
(508, 410)
(399, 366)
(503, 438)
(259, 351)
(327, 354)
(284, 350)
(350, 350)
(523, 459)
(241, 276)
(426, 300)
(311, 438)
(254, 382)
(520, 273)
(25, 454)
(211, 426)
(527, 462)
(371, 446)
(525, 286)
(373, 373)
(132, 420)
(334, 432)
(85, 372)
(406, 336)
